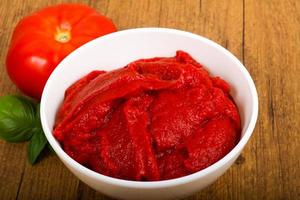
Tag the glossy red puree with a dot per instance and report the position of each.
(154, 119)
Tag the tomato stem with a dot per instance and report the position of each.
(62, 36)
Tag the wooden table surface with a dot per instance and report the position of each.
(263, 34)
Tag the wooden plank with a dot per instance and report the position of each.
(8, 20)
(134, 14)
(12, 159)
(272, 56)
(49, 179)
(221, 21)
(12, 156)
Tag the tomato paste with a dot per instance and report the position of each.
(154, 119)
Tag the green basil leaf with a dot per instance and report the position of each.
(17, 118)
(50, 148)
(37, 143)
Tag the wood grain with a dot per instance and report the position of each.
(265, 35)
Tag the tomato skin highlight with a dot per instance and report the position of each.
(43, 39)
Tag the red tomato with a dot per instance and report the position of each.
(40, 41)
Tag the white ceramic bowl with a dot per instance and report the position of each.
(118, 49)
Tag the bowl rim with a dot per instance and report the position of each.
(152, 184)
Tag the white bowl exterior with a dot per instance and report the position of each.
(115, 51)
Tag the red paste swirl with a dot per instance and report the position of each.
(154, 119)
